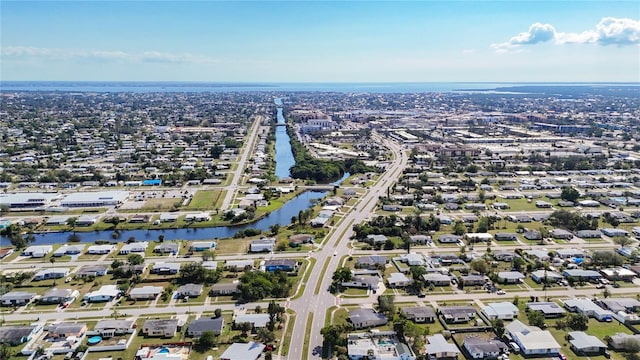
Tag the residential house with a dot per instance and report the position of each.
(503, 236)
(582, 275)
(396, 280)
(299, 239)
(548, 309)
(109, 328)
(419, 314)
(15, 335)
(472, 280)
(68, 250)
(165, 268)
(439, 349)
(262, 245)
(145, 292)
(376, 239)
(620, 304)
(437, 279)
(618, 273)
(504, 255)
(37, 251)
(583, 344)
(420, 239)
(243, 351)
(532, 340)
(105, 293)
(66, 329)
(561, 234)
(378, 345)
(619, 341)
(503, 310)
(366, 318)
(280, 264)
(480, 348)
(58, 296)
(449, 238)
(167, 248)
(16, 298)
(391, 207)
(100, 249)
(371, 262)
(256, 320)
(238, 265)
(224, 289)
(134, 247)
(198, 326)
(569, 253)
(202, 245)
(457, 314)
(588, 308)
(166, 328)
(413, 259)
(92, 270)
(369, 281)
(614, 232)
(541, 276)
(51, 273)
(189, 291)
(510, 277)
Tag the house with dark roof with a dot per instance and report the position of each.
(366, 318)
(16, 335)
(479, 348)
(457, 314)
(280, 264)
(58, 296)
(92, 270)
(224, 289)
(16, 298)
(197, 327)
(472, 280)
(66, 329)
(419, 314)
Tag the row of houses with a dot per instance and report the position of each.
(39, 251)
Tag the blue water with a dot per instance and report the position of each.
(141, 87)
(282, 216)
(284, 155)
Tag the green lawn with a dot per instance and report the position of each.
(205, 200)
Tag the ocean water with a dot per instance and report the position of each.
(142, 87)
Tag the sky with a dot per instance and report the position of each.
(321, 41)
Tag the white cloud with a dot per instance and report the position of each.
(30, 52)
(609, 31)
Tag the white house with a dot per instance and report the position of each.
(502, 310)
(532, 340)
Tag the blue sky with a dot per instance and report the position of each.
(306, 41)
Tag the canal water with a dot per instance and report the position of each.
(282, 216)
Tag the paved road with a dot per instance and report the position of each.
(237, 174)
(336, 243)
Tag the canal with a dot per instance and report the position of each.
(284, 160)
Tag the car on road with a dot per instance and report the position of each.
(500, 292)
(563, 357)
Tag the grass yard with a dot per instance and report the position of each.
(205, 200)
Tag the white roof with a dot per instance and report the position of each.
(96, 197)
(532, 338)
(243, 351)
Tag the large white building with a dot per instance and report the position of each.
(95, 199)
(26, 200)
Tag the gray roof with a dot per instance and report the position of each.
(546, 307)
(189, 288)
(57, 293)
(164, 324)
(365, 315)
(418, 311)
(437, 344)
(477, 344)
(510, 275)
(66, 328)
(458, 311)
(14, 334)
(113, 324)
(17, 295)
(207, 324)
(581, 340)
(243, 351)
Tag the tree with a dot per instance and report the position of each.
(536, 318)
(135, 259)
(334, 335)
(208, 255)
(570, 194)
(244, 327)
(161, 238)
(275, 228)
(480, 265)
(578, 322)
(622, 241)
(459, 228)
(217, 312)
(5, 351)
(207, 340)
(265, 335)
(498, 327)
(386, 304)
